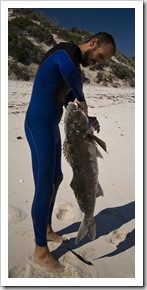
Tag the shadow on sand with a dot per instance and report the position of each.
(107, 220)
(123, 246)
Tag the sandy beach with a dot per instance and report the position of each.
(112, 253)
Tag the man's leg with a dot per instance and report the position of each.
(51, 235)
(42, 145)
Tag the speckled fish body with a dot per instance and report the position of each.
(81, 152)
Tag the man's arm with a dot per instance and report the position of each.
(71, 98)
(70, 74)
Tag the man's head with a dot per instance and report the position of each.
(98, 49)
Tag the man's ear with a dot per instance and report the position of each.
(94, 42)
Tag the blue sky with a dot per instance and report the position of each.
(120, 22)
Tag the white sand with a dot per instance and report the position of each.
(112, 252)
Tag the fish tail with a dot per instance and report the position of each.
(86, 228)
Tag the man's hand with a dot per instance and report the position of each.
(83, 106)
(94, 123)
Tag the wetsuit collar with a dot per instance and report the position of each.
(79, 54)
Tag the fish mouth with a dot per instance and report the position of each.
(78, 117)
(72, 106)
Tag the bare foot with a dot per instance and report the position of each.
(43, 258)
(52, 236)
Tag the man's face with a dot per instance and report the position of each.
(97, 55)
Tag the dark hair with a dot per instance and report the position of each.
(104, 38)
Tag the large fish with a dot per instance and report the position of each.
(80, 150)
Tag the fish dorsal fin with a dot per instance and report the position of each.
(66, 152)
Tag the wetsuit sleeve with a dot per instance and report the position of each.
(69, 98)
(70, 74)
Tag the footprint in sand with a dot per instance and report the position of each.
(116, 237)
(73, 268)
(31, 270)
(16, 214)
(65, 211)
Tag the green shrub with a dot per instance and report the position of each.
(122, 72)
(23, 50)
(22, 24)
(34, 15)
(20, 72)
(68, 35)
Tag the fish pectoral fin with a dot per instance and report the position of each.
(100, 142)
(99, 191)
(99, 153)
(86, 228)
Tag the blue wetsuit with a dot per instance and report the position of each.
(58, 80)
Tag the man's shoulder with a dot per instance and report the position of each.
(72, 50)
(67, 46)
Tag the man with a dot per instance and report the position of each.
(58, 81)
